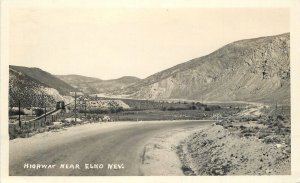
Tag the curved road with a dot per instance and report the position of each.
(107, 144)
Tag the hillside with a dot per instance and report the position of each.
(45, 78)
(82, 83)
(91, 85)
(30, 91)
(247, 70)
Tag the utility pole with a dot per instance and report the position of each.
(202, 83)
(75, 108)
(20, 114)
(275, 107)
(85, 109)
(45, 101)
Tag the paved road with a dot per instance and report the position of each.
(121, 145)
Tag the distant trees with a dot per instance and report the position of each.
(15, 112)
(188, 106)
(102, 110)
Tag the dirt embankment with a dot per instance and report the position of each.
(216, 151)
(241, 145)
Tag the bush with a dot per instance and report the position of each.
(250, 118)
(39, 112)
(206, 109)
(119, 109)
(221, 123)
(193, 107)
(248, 130)
(242, 127)
(247, 134)
(212, 107)
(278, 124)
(280, 117)
(262, 135)
(269, 140)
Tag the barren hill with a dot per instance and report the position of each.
(45, 78)
(251, 70)
(92, 85)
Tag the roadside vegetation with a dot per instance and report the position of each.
(139, 110)
(148, 110)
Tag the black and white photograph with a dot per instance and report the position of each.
(201, 92)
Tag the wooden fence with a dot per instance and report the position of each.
(37, 123)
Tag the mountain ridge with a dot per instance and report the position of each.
(44, 77)
(91, 85)
(255, 69)
(265, 57)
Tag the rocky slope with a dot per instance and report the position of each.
(91, 85)
(30, 91)
(251, 70)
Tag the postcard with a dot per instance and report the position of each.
(167, 91)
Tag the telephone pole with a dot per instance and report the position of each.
(85, 109)
(75, 108)
(202, 83)
(45, 108)
(20, 114)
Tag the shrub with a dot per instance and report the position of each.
(250, 118)
(212, 107)
(279, 124)
(207, 109)
(119, 109)
(280, 117)
(39, 111)
(248, 130)
(242, 127)
(273, 139)
(221, 123)
(193, 107)
(262, 135)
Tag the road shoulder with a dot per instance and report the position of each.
(159, 156)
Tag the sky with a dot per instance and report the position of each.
(111, 43)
